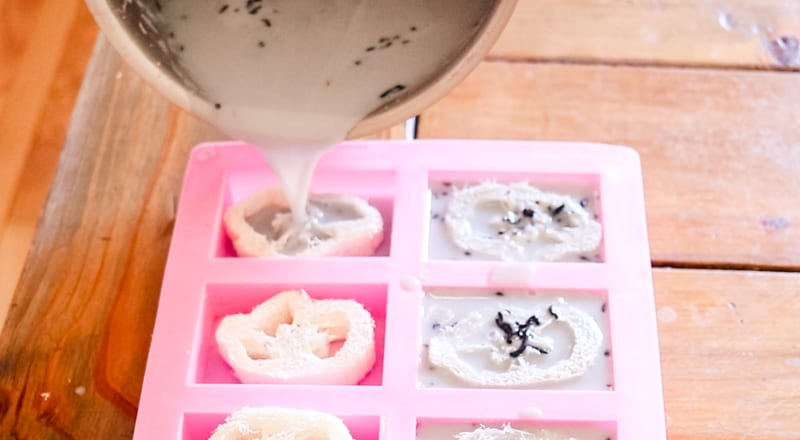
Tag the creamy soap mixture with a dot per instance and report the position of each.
(446, 307)
(294, 76)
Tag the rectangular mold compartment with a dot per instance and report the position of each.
(584, 188)
(200, 426)
(436, 429)
(226, 299)
(444, 307)
(375, 186)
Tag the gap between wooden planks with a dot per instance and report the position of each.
(719, 149)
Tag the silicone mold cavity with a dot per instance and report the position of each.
(201, 426)
(598, 378)
(428, 429)
(188, 390)
(582, 187)
(229, 299)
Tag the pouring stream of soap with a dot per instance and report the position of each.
(294, 76)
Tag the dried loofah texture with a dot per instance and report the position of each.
(281, 424)
(528, 224)
(290, 338)
(448, 349)
(358, 233)
(509, 433)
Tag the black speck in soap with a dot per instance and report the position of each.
(558, 210)
(255, 10)
(499, 293)
(383, 40)
(172, 34)
(406, 41)
(413, 28)
(396, 89)
(217, 105)
(370, 49)
(180, 48)
(584, 203)
(604, 307)
(261, 44)
(223, 8)
(266, 22)
(527, 212)
(606, 353)
(357, 63)
(236, 10)
(468, 253)
(158, 5)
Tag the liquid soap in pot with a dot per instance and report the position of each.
(295, 76)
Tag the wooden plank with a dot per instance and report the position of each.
(731, 33)
(730, 354)
(719, 150)
(46, 140)
(35, 69)
(73, 351)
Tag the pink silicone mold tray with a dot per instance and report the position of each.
(188, 389)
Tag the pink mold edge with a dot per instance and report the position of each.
(181, 401)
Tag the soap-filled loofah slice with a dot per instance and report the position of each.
(509, 433)
(518, 222)
(516, 348)
(340, 225)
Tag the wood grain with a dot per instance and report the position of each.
(725, 33)
(35, 162)
(33, 68)
(73, 352)
(730, 354)
(719, 150)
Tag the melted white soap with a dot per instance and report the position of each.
(294, 76)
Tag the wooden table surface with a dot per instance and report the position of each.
(707, 92)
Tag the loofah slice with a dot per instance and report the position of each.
(281, 423)
(509, 433)
(528, 224)
(446, 350)
(261, 226)
(292, 338)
